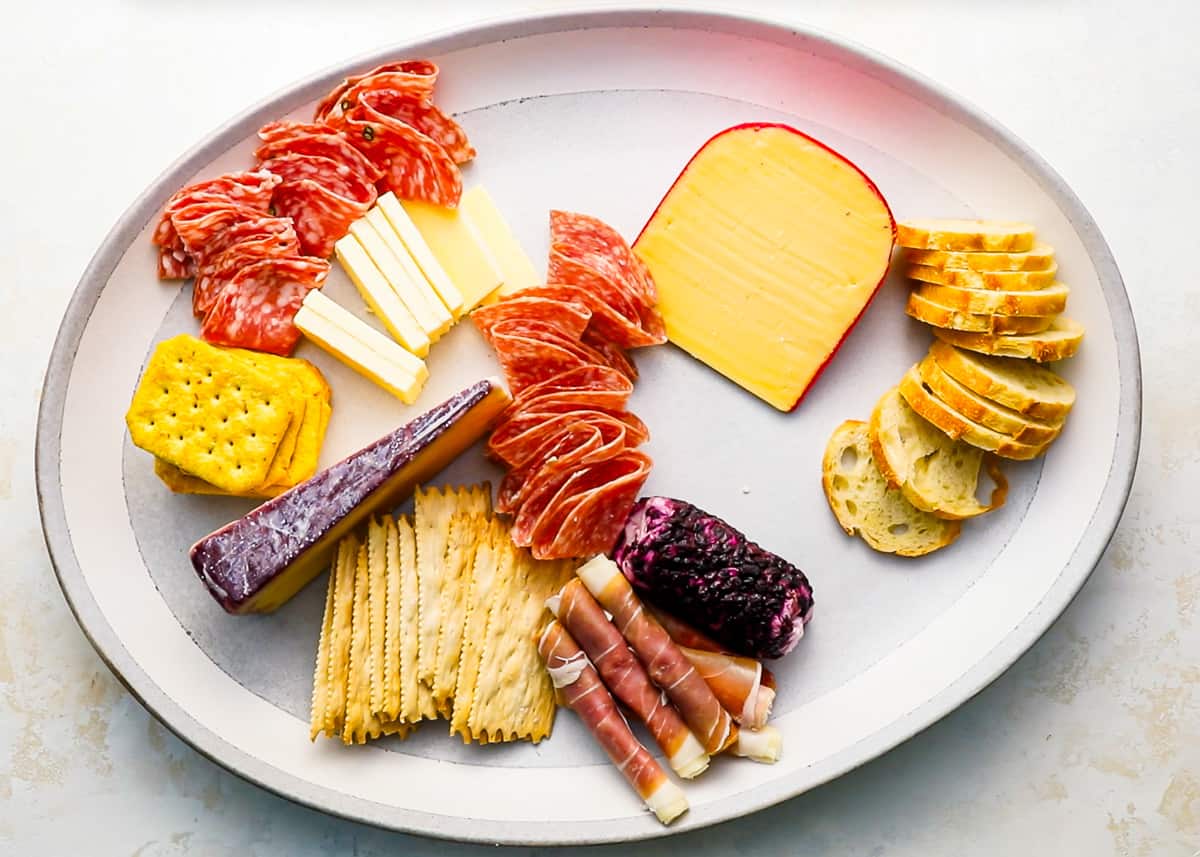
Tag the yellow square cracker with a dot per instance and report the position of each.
(377, 613)
(416, 701)
(208, 413)
(392, 627)
(344, 572)
(321, 690)
(492, 563)
(468, 526)
(360, 723)
(184, 483)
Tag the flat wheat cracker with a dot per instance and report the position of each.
(493, 566)
(360, 723)
(339, 648)
(392, 626)
(208, 413)
(467, 528)
(321, 689)
(416, 701)
(431, 520)
(377, 612)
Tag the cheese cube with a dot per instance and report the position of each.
(380, 296)
(361, 347)
(421, 253)
(384, 246)
(515, 268)
(459, 248)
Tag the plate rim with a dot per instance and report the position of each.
(1087, 552)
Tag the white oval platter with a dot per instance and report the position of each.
(597, 112)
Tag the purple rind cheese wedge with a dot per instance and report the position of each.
(258, 562)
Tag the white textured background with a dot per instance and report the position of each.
(1090, 745)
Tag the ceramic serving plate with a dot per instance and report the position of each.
(597, 113)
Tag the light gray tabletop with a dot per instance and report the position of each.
(1089, 745)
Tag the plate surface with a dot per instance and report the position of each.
(597, 113)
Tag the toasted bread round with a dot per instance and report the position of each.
(1022, 385)
(865, 505)
(931, 312)
(934, 472)
(1042, 302)
(953, 234)
(1009, 281)
(957, 426)
(1040, 258)
(974, 407)
(1057, 342)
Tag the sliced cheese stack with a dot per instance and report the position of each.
(988, 286)
(419, 268)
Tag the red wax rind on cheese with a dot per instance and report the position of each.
(256, 563)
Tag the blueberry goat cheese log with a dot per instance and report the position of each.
(699, 568)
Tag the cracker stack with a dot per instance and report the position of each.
(437, 616)
(229, 421)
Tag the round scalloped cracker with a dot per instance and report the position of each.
(208, 413)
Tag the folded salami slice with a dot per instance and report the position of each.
(236, 247)
(581, 379)
(256, 308)
(516, 440)
(426, 118)
(569, 318)
(300, 138)
(414, 78)
(612, 353)
(583, 692)
(581, 442)
(321, 197)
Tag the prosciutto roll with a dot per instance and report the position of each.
(626, 678)
(737, 683)
(579, 686)
(667, 666)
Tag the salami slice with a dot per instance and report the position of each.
(321, 198)
(256, 308)
(582, 378)
(298, 138)
(415, 166)
(426, 118)
(613, 354)
(252, 189)
(588, 511)
(238, 246)
(570, 318)
(527, 359)
(594, 244)
(415, 78)
(583, 442)
(200, 223)
(517, 440)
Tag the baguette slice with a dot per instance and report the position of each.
(1022, 385)
(1040, 258)
(1043, 302)
(934, 472)
(1010, 281)
(987, 235)
(938, 314)
(1058, 342)
(954, 424)
(865, 505)
(975, 407)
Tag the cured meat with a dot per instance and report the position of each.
(588, 511)
(414, 78)
(298, 138)
(578, 442)
(667, 665)
(737, 682)
(251, 189)
(612, 353)
(201, 222)
(428, 119)
(569, 318)
(626, 678)
(598, 378)
(256, 308)
(516, 439)
(240, 245)
(584, 693)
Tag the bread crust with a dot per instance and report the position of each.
(1060, 341)
(936, 314)
(970, 369)
(978, 409)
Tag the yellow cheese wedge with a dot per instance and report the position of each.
(361, 347)
(515, 268)
(380, 297)
(459, 248)
(384, 246)
(421, 253)
(765, 252)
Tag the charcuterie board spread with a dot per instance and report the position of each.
(482, 611)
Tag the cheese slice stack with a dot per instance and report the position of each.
(765, 252)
